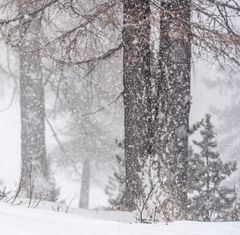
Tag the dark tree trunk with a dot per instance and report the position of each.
(84, 193)
(137, 92)
(33, 151)
(174, 95)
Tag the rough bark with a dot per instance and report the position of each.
(33, 151)
(174, 95)
(137, 92)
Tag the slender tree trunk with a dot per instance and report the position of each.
(137, 92)
(207, 214)
(85, 124)
(33, 151)
(84, 193)
(174, 95)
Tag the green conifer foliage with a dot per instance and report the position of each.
(209, 200)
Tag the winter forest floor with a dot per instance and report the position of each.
(22, 221)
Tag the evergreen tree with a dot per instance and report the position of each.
(209, 199)
(116, 187)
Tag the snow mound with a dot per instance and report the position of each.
(23, 221)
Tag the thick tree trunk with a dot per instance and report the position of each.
(34, 163)
(174, 95)
(84, 193)
(137, 92)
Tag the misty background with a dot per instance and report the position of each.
(207, 97)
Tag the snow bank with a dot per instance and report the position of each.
(23, 221)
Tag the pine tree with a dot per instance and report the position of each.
(206, 172)
(116, 187)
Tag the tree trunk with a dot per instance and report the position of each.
(33, 151)
(84, 193)
(137, 93)
(174, 95)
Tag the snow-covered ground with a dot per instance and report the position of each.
(22, 221)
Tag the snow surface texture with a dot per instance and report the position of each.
(23, 221)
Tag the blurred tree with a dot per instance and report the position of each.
(34, 172)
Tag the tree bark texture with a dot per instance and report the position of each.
(137, 92)
(174, 95)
